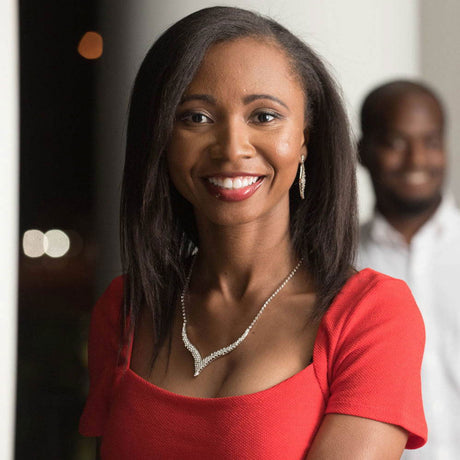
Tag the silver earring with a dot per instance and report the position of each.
(302, 178)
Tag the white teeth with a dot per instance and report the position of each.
(233, 183)
(416, 178)
(228, 183)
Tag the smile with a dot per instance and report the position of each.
(235, 188)
(233, 183)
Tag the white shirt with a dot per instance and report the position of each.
(430, 265)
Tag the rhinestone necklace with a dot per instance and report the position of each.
(201, 363)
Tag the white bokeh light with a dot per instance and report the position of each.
(34, 243)
(58, 243)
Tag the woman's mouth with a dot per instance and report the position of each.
(234, 188)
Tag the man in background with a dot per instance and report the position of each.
(414, 235)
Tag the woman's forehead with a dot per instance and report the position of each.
(246, 65)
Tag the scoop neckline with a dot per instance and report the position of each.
(172, 395)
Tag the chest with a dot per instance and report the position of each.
(276, 349)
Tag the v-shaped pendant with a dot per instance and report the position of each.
(201, 363)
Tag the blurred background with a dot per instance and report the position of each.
(67, 70)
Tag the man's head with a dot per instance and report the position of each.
(402, 146)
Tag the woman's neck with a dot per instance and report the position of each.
(235, 259)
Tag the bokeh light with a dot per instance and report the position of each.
(34, 243)
(91, 45)
(58, 243)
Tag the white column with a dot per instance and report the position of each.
(9, 214)
(440, 63)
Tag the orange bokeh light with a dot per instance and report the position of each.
(91, 45)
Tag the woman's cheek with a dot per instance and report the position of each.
(284, 149)
(287, 144)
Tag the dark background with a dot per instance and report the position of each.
(57, 154)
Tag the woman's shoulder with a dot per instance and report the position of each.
(113, 294)
(108, 307)
(369, 351)
(371, 285)
(114, 290)
(371, 282)
(371, 297)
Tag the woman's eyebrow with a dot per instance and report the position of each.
(246, 100)
(253, 97)
(198, 97)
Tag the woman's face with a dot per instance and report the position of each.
(238, 135)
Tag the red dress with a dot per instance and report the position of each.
(366, 362)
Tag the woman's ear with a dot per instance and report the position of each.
(304, 149)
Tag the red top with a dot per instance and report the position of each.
(366, 362)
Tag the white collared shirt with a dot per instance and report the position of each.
(430, 265)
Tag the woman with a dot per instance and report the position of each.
(245, 332)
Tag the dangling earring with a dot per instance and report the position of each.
(302, 178)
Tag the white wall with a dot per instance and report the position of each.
(8, 229)
(365, 41)
(440, 66)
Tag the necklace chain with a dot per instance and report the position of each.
(199, 362)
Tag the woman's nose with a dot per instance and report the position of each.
(232, 141)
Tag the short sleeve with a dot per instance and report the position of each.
(375, 356)
(103, 357)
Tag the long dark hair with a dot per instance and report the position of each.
(158, 233)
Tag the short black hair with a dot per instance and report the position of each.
(384, 96)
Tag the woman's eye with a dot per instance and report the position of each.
(195, 118)
(265, 117)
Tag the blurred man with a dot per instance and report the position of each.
(415, 235)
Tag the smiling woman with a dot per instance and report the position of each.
(241, 329)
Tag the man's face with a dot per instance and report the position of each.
(406, 157)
